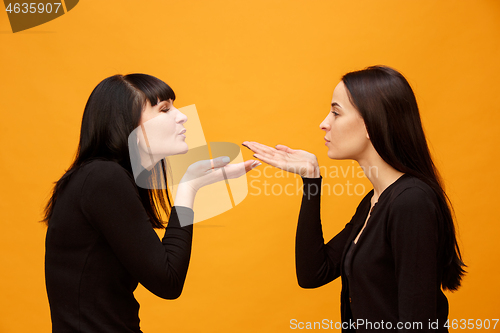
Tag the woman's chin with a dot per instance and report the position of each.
(183, 150)
(332, 155)
(186, 148)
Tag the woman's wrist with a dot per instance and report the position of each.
(185, 195)
(312, 171)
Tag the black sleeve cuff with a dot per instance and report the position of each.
(312, 186)
(181, 216)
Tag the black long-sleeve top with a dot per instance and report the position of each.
(395, 270)
(100, 244)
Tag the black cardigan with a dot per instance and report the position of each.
(100, 244)
(396, 270)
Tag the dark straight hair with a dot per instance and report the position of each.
(389, 109)
(112, 112)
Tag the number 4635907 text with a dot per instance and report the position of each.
(33, 8)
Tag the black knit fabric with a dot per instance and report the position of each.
(100, 245)
(394, 270)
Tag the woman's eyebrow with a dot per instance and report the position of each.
(336, 104)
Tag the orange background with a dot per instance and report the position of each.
(262, 71)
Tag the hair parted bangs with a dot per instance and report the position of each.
(152, 88)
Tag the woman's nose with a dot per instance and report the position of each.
(324, 124)
(181, 117)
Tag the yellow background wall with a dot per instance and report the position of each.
(262, 71)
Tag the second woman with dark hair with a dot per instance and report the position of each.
(399, 250)
(100, 240)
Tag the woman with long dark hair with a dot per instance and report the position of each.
(100, 240)
(399, 251)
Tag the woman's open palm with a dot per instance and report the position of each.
(206, 172)
(296, 161)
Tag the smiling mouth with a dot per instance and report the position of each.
(326, 140)
(183, 131)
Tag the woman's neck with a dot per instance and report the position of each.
(147, 160)
(379, 173)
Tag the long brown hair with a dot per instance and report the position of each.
(112, 112)
(389, 109)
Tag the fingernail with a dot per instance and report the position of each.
(256, 164)
(225, 159)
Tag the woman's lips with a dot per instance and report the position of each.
(327, 141)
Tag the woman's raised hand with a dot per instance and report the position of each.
(296, 161)
(206, 172)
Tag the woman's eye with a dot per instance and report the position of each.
(165, 110)
(335, 113)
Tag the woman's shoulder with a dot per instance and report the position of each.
(410, 191)
(104, 171)
(102, 165)
(413, 210)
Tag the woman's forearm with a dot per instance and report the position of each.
(317, 263)
(310, 257)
